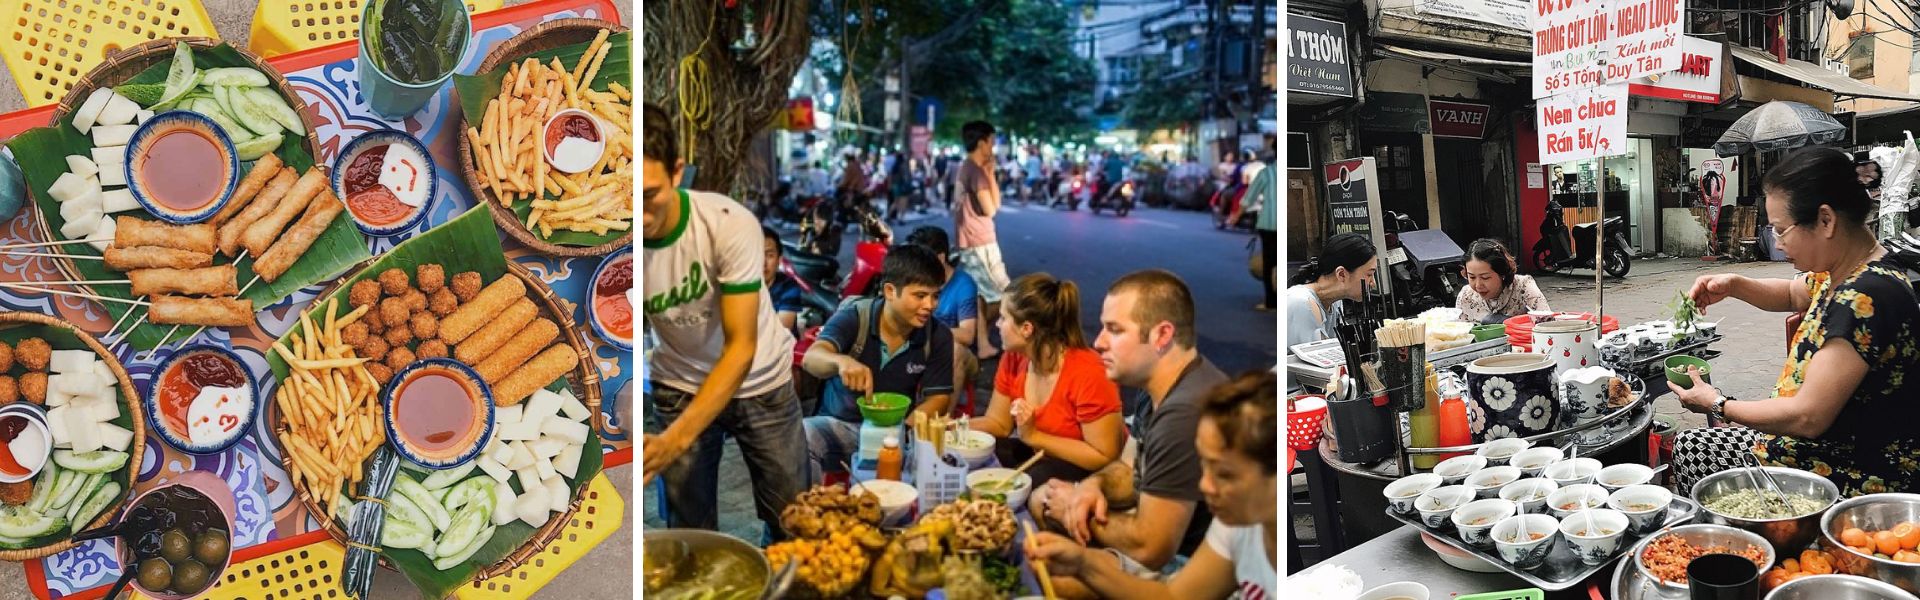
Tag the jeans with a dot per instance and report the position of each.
(831, 441)
(767, 427)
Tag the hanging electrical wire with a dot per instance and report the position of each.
(692, 90)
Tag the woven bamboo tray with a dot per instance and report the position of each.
(546, 36)
(585, 382)
(127, 393)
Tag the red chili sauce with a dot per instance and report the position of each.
(173, 170)
(10, 427)
(183, 380)
(434, 410)
(610, 304)
(571, 125)
(371, 202)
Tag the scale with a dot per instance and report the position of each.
(1325, 354)
(872, 438)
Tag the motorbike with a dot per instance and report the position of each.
(1227, 201)
(1425, 265)
(1120, 198)
(1558, 250)
(1073, 191)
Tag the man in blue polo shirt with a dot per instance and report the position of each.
(879, 345)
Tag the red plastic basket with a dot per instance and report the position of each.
(1520, 328)
(1304, 426)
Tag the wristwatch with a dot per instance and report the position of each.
(1719, 410)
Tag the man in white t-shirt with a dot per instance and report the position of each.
(1239, 459)
(721, 364)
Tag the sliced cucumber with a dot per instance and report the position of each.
(235, 76)
(478, 490)
(29, 524)
(441, 479)
(401, 534)
(97, 461)
(99, 501)
(424, 499)
(43, 486)
(12, 543)
(447, 563)
(211, 109)
(466, 525)
(66, 497)
(400, 508)
(257, 147)
(181, 77)
(241, 108)
(65, 486)
(271, 102)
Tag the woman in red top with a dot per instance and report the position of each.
(1052, 392)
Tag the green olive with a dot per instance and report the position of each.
(190, 577)
(211, 548)
(174, 546)
(156, 574)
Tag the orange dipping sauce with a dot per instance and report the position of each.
(436, 411)
(610, 304)
(173, 170)
(182, 381)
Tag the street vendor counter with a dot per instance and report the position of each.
(1401, 556)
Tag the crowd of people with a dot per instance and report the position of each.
(1194, 477)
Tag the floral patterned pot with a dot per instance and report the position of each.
(1514, 396)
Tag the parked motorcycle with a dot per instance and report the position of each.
(1558, 249)
(1425, 265)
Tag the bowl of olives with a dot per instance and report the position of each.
(177, 536)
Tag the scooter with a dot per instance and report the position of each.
(1225, 202)
(868, 255)
(1120, 199)
(1425, 265)
(1558, 250)
(1072, 191)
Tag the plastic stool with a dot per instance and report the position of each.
(288, 26)
(601, 512)
(309, 571)
(49, 44)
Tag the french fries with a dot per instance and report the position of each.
(331, 405)
(510, 160)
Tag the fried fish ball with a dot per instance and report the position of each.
(9, 390)
(375, 326)
(443, 303)
(399, 358)
(380, 372)
(33, 353)
(430, 277)
(374, 348)
(354, 333)
(415, 300)
(6, 357)
(398, 335)
(33, 387)
(466, 286)
(393, 312)
(393, 282)
(425, 326)
(16, 494)
(366, 291)
(432, 349)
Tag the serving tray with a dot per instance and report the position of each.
(1562, 569)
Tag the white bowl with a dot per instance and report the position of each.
(1457, 558)
(1487, 482)
(1475, 521)
(1567, 495)
(1522, 493)
(976, 447)
(1527, 552)
(1016, 499)
(1619, 476)
(1455, 470)
(1397, 591)
(1438, 504)
(1573, 471)
(1498, 451)
(1644, 520)
(1401, 492)
(896, 500)
(1533, 461)
(1602, 540)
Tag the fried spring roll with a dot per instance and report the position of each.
(129, 232)
(260, 234)
(263, 171)
(155, 257)
(208, 312)
(268, 198)
(516, 351)
(502, 327)
(491, 300)
(211, 281)
(546, 367)
(319, 215)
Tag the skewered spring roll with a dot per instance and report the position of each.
(260, 234)
(546, 367)
(155, 257)
(208, 312)
(472, 315)
(517, 350)
(129, 232)
(282, 255)
(482, 343)
(264, 170)
(211, 281)
(263, 203)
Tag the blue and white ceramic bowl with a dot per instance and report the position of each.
(150, 403)
(593, 313)
(150, 132)
(36, 420)
(466, 454)
(375, 139)
(1516, 394)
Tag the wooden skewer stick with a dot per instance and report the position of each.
(143, 316)
(41, 290)
(50, 255)
(93, 282)
(45, 244)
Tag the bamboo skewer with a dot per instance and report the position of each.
(196, 331)
(143, 317)
(93, 282)
(97, 297)
(1039, 566)
(45, 244)
(50, 255)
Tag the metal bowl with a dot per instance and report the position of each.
(1702, 535)
(662, 545)
(1788, 534)
(1872, 512)
(1838, 587)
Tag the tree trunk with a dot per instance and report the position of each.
(743, 90)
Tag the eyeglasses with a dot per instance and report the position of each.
(1780, 233)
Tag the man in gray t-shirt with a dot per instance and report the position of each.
(1147, 341)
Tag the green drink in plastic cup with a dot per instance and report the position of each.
(408, 51)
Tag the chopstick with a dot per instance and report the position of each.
(1024, 466)
(1039, 566)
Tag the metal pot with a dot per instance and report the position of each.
(1789, 534)
(1872, 512)
(1838, 587)
(1701, 535)
(696, 540)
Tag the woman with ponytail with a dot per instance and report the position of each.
(1343, 271)
(1051, 393)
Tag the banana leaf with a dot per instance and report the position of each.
(469, 242)
(476, 90)
(62, 339)
(41, 154)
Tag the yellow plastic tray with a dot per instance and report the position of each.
(285, 26)
(49, 44)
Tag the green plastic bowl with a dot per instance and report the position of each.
(1487, 332)
(885, 410)
(1680, 377)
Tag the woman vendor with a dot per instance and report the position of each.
(1493, 291)
(1343, 271)
(1842, 406)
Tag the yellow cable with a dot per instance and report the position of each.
(691, 81)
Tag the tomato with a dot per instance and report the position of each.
(1854, 536)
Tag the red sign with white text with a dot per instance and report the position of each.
(1457, 119)
(1697, 79)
